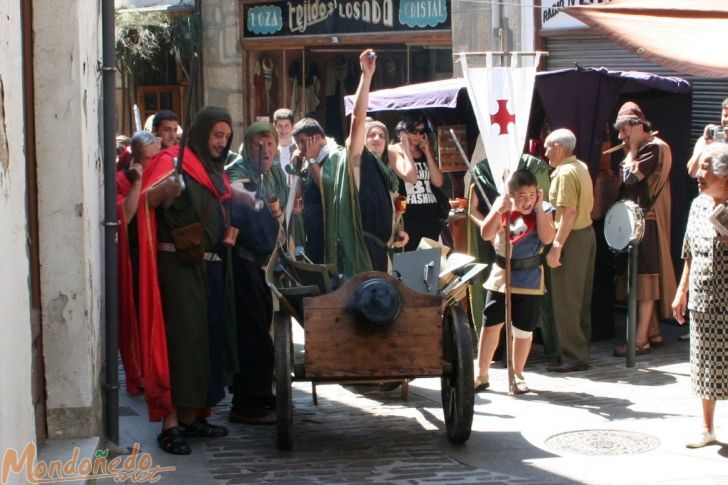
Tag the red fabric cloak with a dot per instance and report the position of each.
(128, 322)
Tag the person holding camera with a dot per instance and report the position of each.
(711, 133)
(646, 182)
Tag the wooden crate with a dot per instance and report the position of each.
(337, 346)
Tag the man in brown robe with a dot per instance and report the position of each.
(646, 176)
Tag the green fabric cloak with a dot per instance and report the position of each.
(344, 237)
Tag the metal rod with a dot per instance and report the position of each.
(286, 101)
(111, 371)
(137, 118)
(476, 181)
(303, 83)
(631, 303)
(509, 308)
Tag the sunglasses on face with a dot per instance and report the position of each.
(418, 131)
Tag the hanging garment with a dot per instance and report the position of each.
(305, 93)
(337, 80)
(263, 82)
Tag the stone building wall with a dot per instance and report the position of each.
(222, 61)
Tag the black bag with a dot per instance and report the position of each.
(443, 203)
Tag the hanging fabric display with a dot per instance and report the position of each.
(263, 82)
(305, 89)
(501, 98)
(340, 79)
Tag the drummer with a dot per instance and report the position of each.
(645, 172)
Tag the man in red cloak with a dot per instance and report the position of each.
(184, 327)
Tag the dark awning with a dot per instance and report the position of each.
(444, 93)
(433, 94)
(586, 101)
(687, 36)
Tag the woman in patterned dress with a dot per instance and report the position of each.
(704, 278)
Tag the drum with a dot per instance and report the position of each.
(624, 224)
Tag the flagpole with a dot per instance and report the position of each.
(509, 303)
(487, 86)
(509, 307)
(473, 176)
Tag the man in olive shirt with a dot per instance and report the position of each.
(571, 257)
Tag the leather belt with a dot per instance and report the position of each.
(520, 264)
(169, 248)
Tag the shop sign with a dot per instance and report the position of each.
(131, 4)
(553, 18)
(317, 17)
(450, 158)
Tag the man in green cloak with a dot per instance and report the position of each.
(260, 194)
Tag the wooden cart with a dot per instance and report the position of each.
(430, 337)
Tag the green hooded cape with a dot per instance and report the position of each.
(245, 168)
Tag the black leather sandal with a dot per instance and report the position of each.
(200, 428)
(171, 441)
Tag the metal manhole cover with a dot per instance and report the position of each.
(602, 442)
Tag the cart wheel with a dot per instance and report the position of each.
(284, 402)
(457, 385)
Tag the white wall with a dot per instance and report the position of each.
(16, 407)
(69, 157)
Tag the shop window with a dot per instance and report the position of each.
(313, 81)
(151, 99)
(430, 63)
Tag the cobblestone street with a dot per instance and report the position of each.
(610, 424)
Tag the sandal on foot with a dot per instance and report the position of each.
(656, 341)
(171, 441)
(200, 428)
(481, 384)
(621, 351)
(519, 387)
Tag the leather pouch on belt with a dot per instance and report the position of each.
(189, 243)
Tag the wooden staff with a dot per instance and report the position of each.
(509, 307)
(188, 120)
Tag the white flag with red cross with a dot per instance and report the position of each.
(501, 98)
